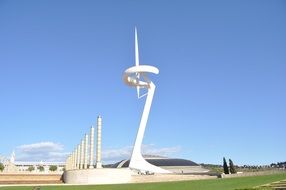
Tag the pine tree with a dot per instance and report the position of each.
(225, 167)
(231, 167)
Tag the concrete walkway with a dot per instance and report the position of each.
(278, 185)
(135, 179)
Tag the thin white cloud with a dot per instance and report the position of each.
(51, 151)
(164, 151)
(117, 154)
(42, 151)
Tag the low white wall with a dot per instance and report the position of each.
(98, 176)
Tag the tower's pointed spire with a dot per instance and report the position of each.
(137, 60)
(136, 49)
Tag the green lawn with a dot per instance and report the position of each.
(213, 184)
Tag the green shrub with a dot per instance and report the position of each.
(2, 167)
(31, 168)
(53, 168)
(41, 168)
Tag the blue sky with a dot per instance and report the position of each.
(220, 92)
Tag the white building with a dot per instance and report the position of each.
(24, 166)
(13, 166)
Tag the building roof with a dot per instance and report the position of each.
(159, 162)
(38, 163)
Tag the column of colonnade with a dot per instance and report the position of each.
(91, 151)
(71, 164)
(83, 155)
(98, 144)
(73, 160)
(78, 156)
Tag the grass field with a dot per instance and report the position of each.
(213, 184)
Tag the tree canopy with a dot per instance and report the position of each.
(53, 168)
(41, 168)
(1, 166)
(31, 168)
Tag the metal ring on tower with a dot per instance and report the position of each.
(131, 75)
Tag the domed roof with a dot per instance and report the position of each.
(159, 162)
(171, 162)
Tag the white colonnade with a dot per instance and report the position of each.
(83, 155)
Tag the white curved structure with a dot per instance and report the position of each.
(136, 76)
(98, 176)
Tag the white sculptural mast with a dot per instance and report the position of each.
(136, 76)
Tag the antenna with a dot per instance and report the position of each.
(137, 61)
(136, 49)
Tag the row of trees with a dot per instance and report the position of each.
(227, 170)
(32, 168)
(278, 165)
(41, 168)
